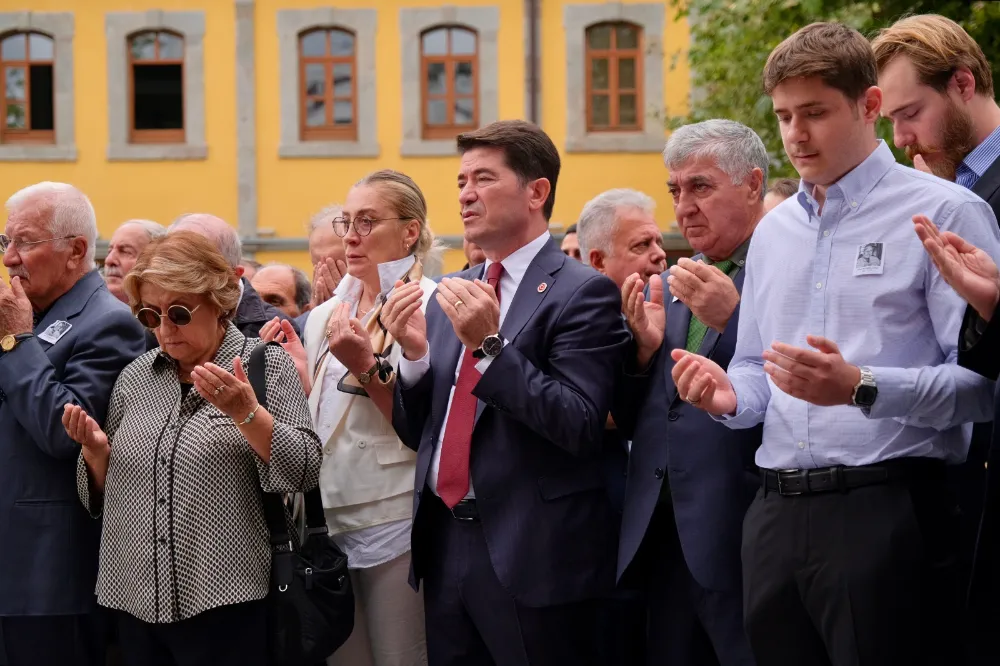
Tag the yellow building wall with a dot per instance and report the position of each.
(291, 190)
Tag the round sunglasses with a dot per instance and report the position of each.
(177, 314)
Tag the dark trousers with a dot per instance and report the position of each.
(686, 624)
(233, 635)
(471, 618)
(52, 640)
(868, 577)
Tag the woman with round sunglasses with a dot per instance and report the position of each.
(178, 470)
(367, 474)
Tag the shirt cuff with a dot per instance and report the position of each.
(411, 372)
(896, 392)
(484, 363)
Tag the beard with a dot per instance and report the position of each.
(957, 140)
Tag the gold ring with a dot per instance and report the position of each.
(218, 389)
(694, 401)
(457, 303)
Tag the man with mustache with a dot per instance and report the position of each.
(127, 243)
(63, 340)
(937, 90)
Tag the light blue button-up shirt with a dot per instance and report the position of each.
(890, 310)
(978, 161)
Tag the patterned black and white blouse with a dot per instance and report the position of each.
(184, 528)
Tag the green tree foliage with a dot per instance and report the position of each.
(731, 39)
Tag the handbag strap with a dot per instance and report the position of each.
(274, 506)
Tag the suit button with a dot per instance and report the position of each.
(419, 493)
(672, 415)
(162, 501)
(163, 542)
(658, 473)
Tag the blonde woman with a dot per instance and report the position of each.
(178, 470)
(367, 474)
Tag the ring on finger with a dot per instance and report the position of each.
(694, 401)
(458, 302)
(218, 389)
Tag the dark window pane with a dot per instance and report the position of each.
(341, 43)
(435, 42)
(314, 43)
(13, 47)
(437, 83)
(315, 79)
(463, 42)
(599, 37)
(626, 73)
(159, 97)
(626, 110)
(628, 37)
(42, 101)
(437, 112)
(14, 83)
(171, 46)
(599, 74)
(464, 110)
(144, 46)
(600, 113)
(40, 47)
(315, 113)
(463, 78)
(343, 112)
(342, 80)
(15, 116)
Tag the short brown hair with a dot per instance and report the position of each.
(936, 46)
(528, 151)
(187, 263)
(784, 187)
(839, 55)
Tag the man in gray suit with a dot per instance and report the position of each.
(63, 339)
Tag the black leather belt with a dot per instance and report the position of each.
(793, 482)
(465, 510)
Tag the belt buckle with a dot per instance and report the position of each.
(791, 493)
(458, 517)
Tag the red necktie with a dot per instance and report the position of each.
(453, 472)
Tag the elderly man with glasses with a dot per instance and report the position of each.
(63, 340)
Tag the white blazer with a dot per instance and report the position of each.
(363, 461)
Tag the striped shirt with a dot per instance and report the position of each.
(978, 161)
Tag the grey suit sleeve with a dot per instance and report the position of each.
(567, 402)
(36, 392)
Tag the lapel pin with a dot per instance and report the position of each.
(542, 287)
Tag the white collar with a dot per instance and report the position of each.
(349, 289)
(516, 265)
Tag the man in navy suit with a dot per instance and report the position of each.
(504, 394)
(691, 479)
(64, 338)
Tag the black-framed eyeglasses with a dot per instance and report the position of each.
(177, 314)
(6, 242)
(363, 225)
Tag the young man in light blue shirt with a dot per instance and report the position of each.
(848, 549)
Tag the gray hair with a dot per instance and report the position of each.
(324, 218)
(153, 230)
(598, 219)
(72, 212)
(226, 240)
(736, 149)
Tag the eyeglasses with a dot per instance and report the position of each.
(363, 225)
(177, 314)
(16, 243)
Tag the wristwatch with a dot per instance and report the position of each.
(865, 391)
(8, 342)
(491, 347)
(366, 376)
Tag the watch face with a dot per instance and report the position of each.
(7, 343)
(492, 345)
(865, 396)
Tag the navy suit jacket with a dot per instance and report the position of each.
(537, 447)
(48, 557)
(710, 468)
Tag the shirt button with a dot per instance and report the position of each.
(362, 444)
(854, 204)
(819, 285)
(163, 460)
(826, 232)
(802, 445)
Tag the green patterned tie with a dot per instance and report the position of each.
(697, 330)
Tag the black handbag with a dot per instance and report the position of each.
(310, 602)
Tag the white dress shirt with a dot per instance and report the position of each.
(377, 544)
(410, 372)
